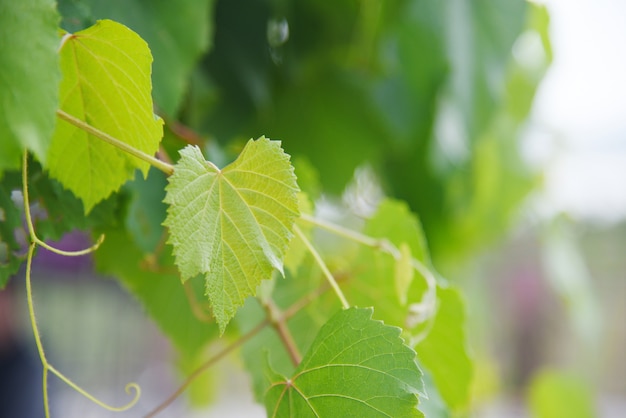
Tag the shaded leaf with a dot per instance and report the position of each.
(355, 367)
(297, 250)
(443, 352)
(29, 78)
(146, 210)
(106, 83)
(376, 280)
(232, 225)
(11, 256)
(404, 273)
(159, 290)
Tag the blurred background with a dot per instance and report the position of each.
(501, 123)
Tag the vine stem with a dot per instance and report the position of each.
(31, 228)
(320, 262)
(210, 362)
(281, 317)
(429, 300)
(279, 322)
(47, 367)
(161, 165)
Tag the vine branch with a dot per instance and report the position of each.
(279, 322)
(210, 362)
(320, 262)
(161, 165)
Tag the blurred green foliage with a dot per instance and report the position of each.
(431, 94)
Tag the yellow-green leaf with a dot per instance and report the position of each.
(106, 83)
(404, 273)
(232, 225)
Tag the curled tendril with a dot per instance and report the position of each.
(129, 388)
(47, 367)
(31, 228)
(91, 249)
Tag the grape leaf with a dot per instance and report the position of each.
(105, 68)
(443, 350)
(11, 253)
(146, 210)
(297, 249)
(178, 32)
(232, 225)
(29, 78)
(381, 281)
(266, 346)
(355, 367)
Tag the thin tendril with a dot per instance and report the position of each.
(35, 241)
(31, 228)
(430, 296)
(128, 388)
(322, 265)
(71, 253)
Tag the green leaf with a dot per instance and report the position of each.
(10, 219)
(303, 326)
(178, 32)
(29, 78)
(555, 394)
(232, 225)
(146, 210)
(106, 83)
(355, 367)
(297, 249)
(158, 289)
(443, 352)
(378, 276)
(56, 210)
(404, 273)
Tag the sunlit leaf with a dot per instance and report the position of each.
(29, 77)
(356, 366)
(232, 225)
(106, 83)
(178, 32)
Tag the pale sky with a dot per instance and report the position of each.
(579, 118)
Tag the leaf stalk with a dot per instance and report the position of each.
(161, 165)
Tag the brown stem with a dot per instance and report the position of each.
(210, 362)
(279, 322)
(281, 318)
(196, 308)
(185, 133)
